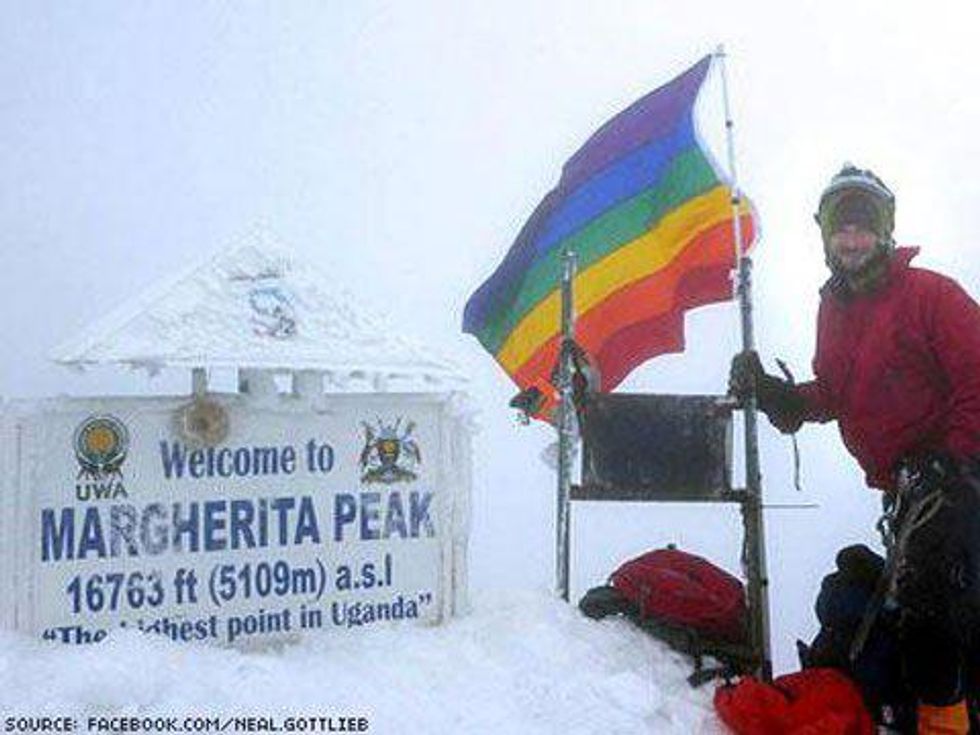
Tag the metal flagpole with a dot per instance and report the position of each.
(566, 438)
(754, 550)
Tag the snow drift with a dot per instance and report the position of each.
(521, 662)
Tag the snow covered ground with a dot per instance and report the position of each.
(521, 662)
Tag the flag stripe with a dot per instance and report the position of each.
(663, 114)
(493, 295)
(651, 116)
(687, 176)
(661, 334)
(643, 168)
(664, 333)
(565, 212)
(641, 257)
(615, 331)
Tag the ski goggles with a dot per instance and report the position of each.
(853, 208)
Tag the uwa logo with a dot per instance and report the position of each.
(100, 443)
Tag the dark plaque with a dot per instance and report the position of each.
(654, 447)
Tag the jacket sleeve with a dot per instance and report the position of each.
(818, 403)
(954, 329)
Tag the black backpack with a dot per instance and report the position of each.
(841, 605)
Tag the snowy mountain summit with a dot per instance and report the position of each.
(519, 663)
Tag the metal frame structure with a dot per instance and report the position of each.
(749, 498)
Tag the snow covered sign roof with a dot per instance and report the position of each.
(257, 307)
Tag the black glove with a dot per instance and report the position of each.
(778, 399)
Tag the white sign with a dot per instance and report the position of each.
(330, 515)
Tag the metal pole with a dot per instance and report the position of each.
(754, 550)
(566, 438)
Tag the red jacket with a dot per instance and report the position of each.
(899, 369)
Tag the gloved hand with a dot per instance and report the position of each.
(778, 399)
(744, 375)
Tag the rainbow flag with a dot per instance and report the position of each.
(650, 218)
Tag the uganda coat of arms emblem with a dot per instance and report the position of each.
(390, 455)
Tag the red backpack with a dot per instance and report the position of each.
(683, 589)
(684, 600)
